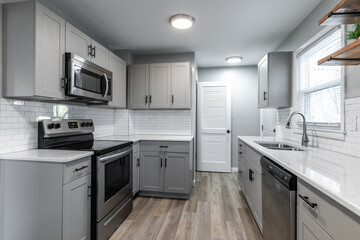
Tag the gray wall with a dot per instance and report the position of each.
(245, 115)
(307, 29)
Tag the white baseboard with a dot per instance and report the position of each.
(234, 169)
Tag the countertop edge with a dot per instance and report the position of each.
(16, 157)
(340, 200)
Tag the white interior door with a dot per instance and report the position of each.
(214, 127)
(268, 122)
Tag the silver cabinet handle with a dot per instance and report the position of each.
(107, 85)
(146, 100)
(90, 50)
(172, 99)
(94, 52)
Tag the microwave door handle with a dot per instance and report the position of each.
(115, 156)
(107, 86)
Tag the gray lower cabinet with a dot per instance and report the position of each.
(45, 200)
(135, 169)
(308, 229)
(327, 220)
(176, 173)
(77, 209)
(249, 178)
(166, 168)
(151, 172)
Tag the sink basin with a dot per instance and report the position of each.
(279, 146)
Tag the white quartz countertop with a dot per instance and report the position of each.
(136, 138)
(46, 155)
(336, 175)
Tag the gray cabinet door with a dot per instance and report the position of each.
(151, 172)
(100, 54)
(136, 177)
(77, 42)
(160, 85)
(180, 85)
(76, 209)
(263, 83)
(118, 67)
(50, 50)
(308, 229)
(138, 86)
(176, 173)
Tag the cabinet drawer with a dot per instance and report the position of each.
(307, 228)
(76, 169)
(156, 146)
(322, 213)
(254, 156)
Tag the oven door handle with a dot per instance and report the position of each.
(107, 85)
(115, 156)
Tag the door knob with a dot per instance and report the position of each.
(228, 131)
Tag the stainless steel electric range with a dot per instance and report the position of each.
(111, 190)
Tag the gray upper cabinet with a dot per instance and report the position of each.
(180, 85)
(118, 67)
(77, 42)
(34, 47)
(82, 45)
(274, 76)
(159, 86)
(138, 86)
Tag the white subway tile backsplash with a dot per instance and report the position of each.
(18, 124)
(351, 143)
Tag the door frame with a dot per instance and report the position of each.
(199, 119)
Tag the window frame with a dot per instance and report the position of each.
(325, 130)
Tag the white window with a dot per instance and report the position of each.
(320, 87)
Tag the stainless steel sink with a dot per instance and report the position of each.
(279, 146)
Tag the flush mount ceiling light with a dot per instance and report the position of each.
(234, 59)
(182, 21)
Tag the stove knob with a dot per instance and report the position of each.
(51, 126)
(91, 124)
(88, 124)
(83, 124)
(57, 125)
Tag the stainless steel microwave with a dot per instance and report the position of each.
(86, 81)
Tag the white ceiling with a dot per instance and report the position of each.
(223, 27)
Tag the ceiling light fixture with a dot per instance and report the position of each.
(182, 21)
(234, 59)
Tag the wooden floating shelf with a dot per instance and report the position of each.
(349, 55)
(346, 12)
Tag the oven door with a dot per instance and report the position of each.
(88, 80)
(114, 180)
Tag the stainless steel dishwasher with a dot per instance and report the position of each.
(278, 201)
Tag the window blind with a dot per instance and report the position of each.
(320, 86)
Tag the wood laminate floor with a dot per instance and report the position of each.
(216, 210)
